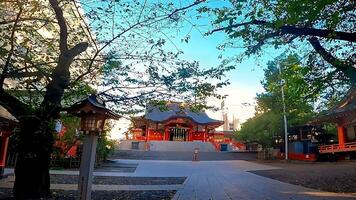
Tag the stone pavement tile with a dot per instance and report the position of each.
(217, 188)
(231, 191)
(203, 190)
(187, 192)
(250, 188)
(115, 187)
(8, 171)
(135, 187)
(64, 187)
(7, 182)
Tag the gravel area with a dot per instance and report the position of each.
(187, 156)
(119, 180)
(103, 195)
(327, 176)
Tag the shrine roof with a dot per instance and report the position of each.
(6, 115)
(96, 103)
(176, 110)
(345, 108)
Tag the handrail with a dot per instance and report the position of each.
(350, 146)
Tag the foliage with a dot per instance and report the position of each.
(105, 148)
(56, 52)
(69, 137)
(29, 50)
(268, 119)
(321, 31)
(261, 128)
(126, 62)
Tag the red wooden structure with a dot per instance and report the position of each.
(7, 124)
(344, 116)
(176, 122)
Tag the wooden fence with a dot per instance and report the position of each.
(69, 162)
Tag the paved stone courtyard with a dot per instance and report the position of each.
(183, 180)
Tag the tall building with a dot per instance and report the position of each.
(229, 125)
(235, 125)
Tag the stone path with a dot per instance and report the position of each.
(212, 180)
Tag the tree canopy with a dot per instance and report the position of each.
(268, 119)
(123, 55)
(323, 32)
(53, 53)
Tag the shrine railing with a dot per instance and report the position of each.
(216, 145)
(351, 146)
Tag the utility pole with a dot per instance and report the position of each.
(284, 115)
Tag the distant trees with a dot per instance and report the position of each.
(268, 119)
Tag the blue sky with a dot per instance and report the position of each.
(245, 79)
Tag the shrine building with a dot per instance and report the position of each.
(343, 115)
(177, 122)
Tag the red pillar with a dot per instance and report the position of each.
(164, 134)
(147, 138)
(205, 133)
(190, 135)
(341, 135)
(3, 150)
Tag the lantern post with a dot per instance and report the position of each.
(92, 113)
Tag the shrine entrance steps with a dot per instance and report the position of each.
(181, 146)
(178, 146)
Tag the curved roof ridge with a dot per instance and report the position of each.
(174, 110)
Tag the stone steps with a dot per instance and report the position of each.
(181, 146)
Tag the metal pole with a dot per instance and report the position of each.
(284, 117)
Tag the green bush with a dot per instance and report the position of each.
(104, 148)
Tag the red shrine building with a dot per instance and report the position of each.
(343, 115)
(177, 122)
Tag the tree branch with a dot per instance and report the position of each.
(185, 8)
(8, 59)
(348, 69)
(13, 105)
(254, 22)
(140, 23)
(261, 42)
(298, 31)
(328, 34)
(63, 31)
(86, 25)
(78, 49)
(17, 74)
(26, 19)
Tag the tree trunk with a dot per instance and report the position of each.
(36, 135)
(32, 166)
(36, 139)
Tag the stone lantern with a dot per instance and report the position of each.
(92, 113)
